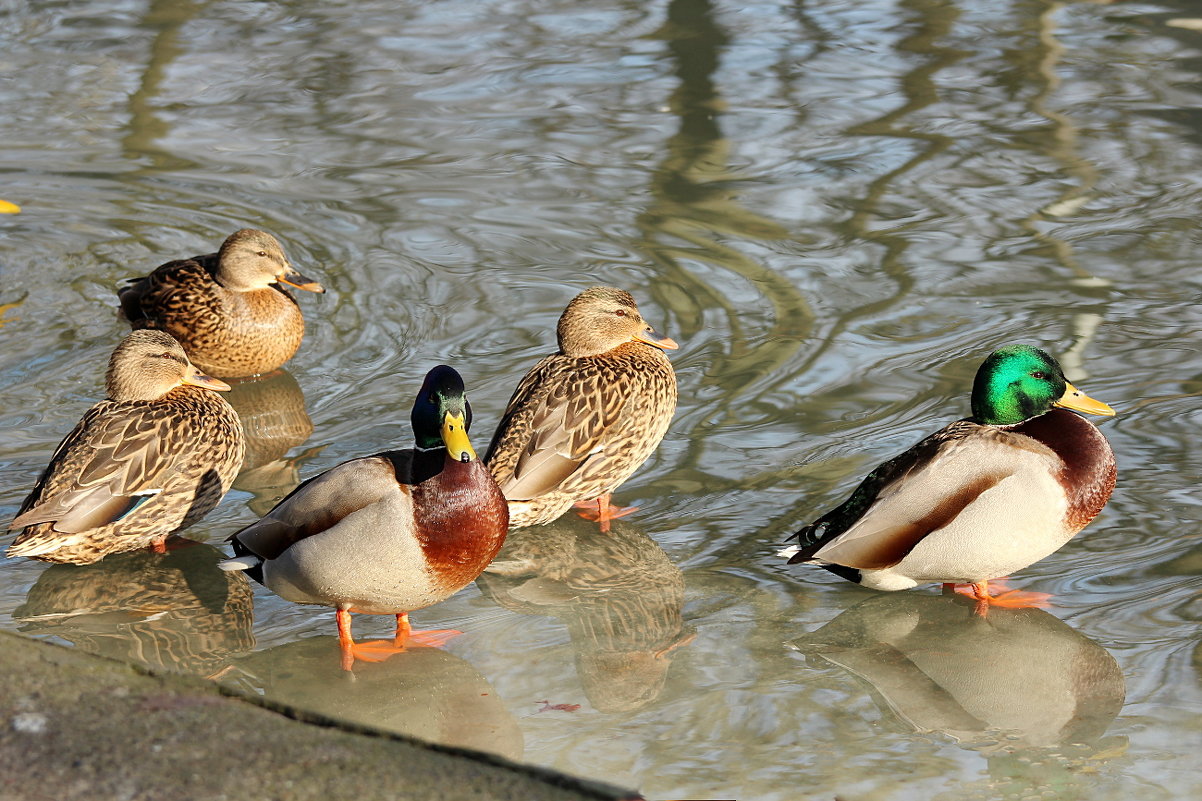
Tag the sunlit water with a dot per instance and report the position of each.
(836, 207)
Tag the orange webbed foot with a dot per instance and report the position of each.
(1007, 599)
(600, 511)
(376, 650)
(167, 543)
(432, 638)
(379, 650)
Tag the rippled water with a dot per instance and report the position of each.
(837, 208)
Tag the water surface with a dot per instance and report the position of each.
(837, 208)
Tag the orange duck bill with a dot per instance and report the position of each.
(649, 337)
(292, 278)
(196, 378)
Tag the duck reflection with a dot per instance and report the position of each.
(619, 594)
(426, 693)
(176, 611)
(272, 411)
(1017, 679)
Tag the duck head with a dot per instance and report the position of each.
(148, 364)
(600, 319)
(442, 416)
(251, 259)
(1019, 382)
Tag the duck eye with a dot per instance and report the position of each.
(620, 312)
(263, 253)
(1039, 375)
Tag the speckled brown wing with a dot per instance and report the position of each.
(179, 297)
(576, 428)
(130, 472)
(224, 333)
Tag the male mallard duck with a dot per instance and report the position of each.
(154, 457)
(981, 498)
(586, 417)
(385, 534)
(227, 309)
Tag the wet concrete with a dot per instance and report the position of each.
(73, 725)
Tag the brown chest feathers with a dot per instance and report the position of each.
(460, 517)
(1088, 471)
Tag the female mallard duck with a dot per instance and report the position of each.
(385, 534)
(981, 498)
(586, 417)
(154, 457)
(227, 309)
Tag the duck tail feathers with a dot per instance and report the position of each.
(240, 563)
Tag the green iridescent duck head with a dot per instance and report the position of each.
(1019, 382)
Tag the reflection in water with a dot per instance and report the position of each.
(1019, 678)
(272, 411)
(619, 594)
(166, 18)
(696, 209)
(423, 692)
(5, 308)
(945, 177)
(176, 611)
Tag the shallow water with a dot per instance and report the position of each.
(837, 208)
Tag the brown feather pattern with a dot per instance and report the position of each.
(224, 332)
(577, 427)
(187, 444)
(1089, 471)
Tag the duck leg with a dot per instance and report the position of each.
(604, 512)
(346, 644)
(429, 638)
(160, 544)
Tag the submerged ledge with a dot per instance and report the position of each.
(76, 725)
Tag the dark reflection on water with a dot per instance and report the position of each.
(274, 420)
(836, 207)
(619, 595)
(1015, 679)
(176, 611)
(423, 692)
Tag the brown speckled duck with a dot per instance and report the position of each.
(227, 309)
(154, 457)
(385, 534)
(585, 418)
(980, 498)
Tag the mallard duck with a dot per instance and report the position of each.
(156, 456)
(227, 309)
(385, 534)
(981, 498)
(584, 418)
